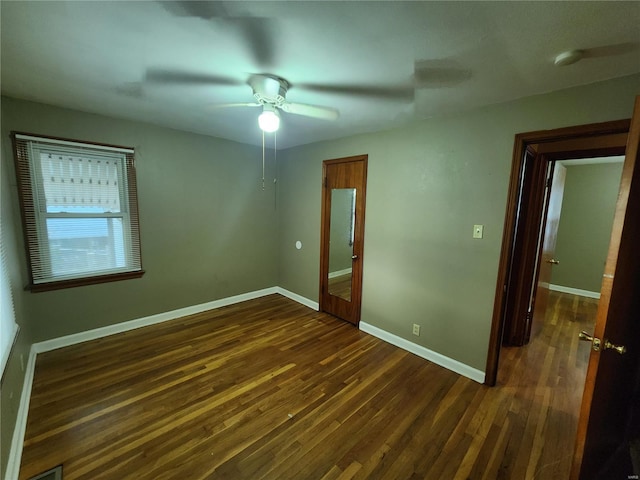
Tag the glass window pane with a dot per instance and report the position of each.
(85, 245)
(80, 184)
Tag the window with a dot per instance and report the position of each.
(79, 211)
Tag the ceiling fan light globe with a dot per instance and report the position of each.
(269, 121)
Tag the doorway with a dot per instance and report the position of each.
(342, 236)
(586, 220)
(575, 235)
(612, 386)
(551, 368)
(519, 285)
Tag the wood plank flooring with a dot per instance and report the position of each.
(271, 389)
(340, 286)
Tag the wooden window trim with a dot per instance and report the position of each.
(26, 202)
(79, 282)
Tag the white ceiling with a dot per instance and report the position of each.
(93, 56)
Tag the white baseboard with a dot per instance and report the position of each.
(15, 452)
(96, 333)
(574, 291)
(298, 298)
(339, 273)
(435, 357)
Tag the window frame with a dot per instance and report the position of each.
(31, 197)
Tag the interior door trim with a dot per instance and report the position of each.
(358, 244)
(608, 138)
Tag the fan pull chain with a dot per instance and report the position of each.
(275, 170)
(262, 159)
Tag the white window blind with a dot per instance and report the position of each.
(79, 209)
(8, 325)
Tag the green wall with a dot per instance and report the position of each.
(428, 184)
(13, 375)
(208, 229)
(584, 231)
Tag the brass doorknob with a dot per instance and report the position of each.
(585, 336)
(621, 349)
(595, 341)
(553, 261)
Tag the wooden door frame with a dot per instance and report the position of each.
(358, 246)
(526, 246)
(538, 303)
(598, 139)
(610, 398)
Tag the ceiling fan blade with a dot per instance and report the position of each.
(258, 34)
(200, 9)
(231, 105)
(440, 77)
(315, 111)
(130, 89)
(393, 93)
(439, 73)
(157, 75)
(611, 50)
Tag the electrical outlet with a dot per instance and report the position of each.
(478, 231)
(416, 329)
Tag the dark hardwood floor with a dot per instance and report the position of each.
(271, 389)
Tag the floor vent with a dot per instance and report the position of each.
(634, 447)
(53, 474)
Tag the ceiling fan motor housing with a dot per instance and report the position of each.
(269, 89)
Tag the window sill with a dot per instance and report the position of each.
(79, 282)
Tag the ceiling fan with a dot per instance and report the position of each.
(269, 92)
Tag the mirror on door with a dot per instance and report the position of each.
(341, 232)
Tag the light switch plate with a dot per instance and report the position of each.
(477, 231)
